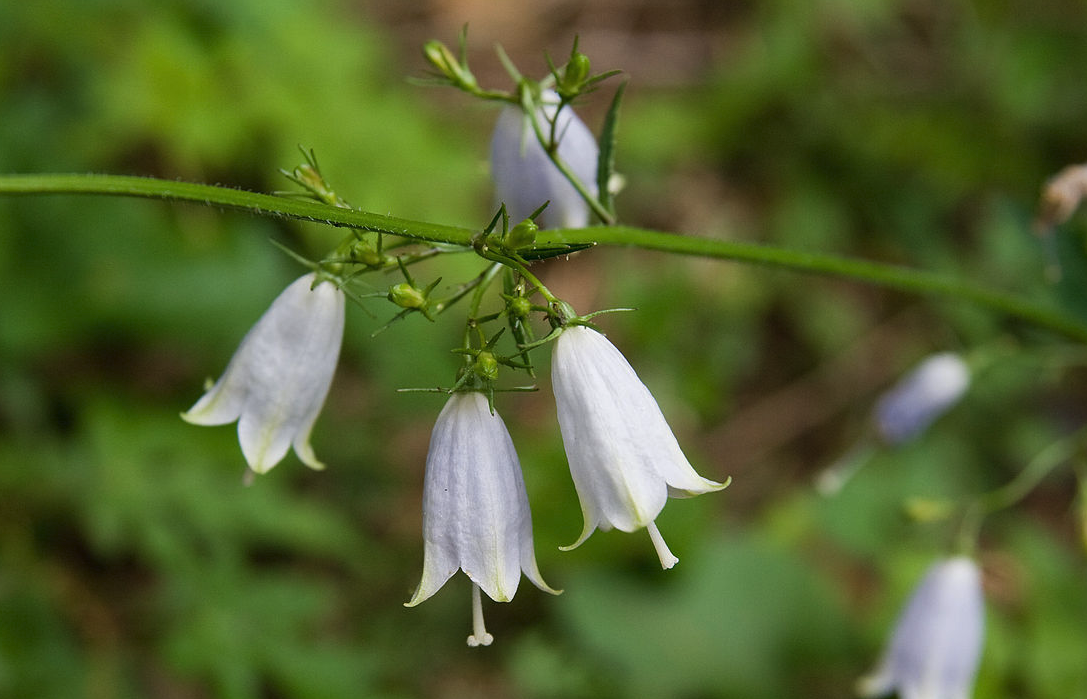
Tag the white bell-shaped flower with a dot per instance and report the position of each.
(524, 177)
(623, 457)
(922, 396)
(279, 376)
(475, 509)
(936, 646)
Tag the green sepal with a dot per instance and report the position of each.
(605, 165)
(544, 253)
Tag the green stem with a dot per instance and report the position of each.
(1012, 492)
(1027, 480)
(891, 276)
(550, 147)
(241, 200)
(895, 277)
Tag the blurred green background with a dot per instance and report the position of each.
(133, 562)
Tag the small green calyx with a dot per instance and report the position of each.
(520, 307)
(523, 235)
(308, 176)
(486, 366)
(561, 313)
(574, 74)
(406, 295)
(439, 56)
(364, 253)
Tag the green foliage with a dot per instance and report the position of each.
(133, 562)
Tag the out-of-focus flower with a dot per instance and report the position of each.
(623, 457)
(923, 395)
(1061, 196)
(936, 646)
(524, 177)
(277, 380)
(475, 510)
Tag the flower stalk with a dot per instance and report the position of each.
(896, 277)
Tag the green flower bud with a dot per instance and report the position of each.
(575, 73)
(407, 296)
(308, 176)
(365, 253)
(520, 307)
(522, 235)
(439, 56)
(486, 366)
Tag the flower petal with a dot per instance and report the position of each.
(525, 177)
(624, 459)
(475, 509)
(936, 646)
(277, 380)
(922, 396)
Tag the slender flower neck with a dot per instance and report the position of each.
(667, 558)
(479, 636)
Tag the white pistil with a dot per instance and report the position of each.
(663, 553)
(479, 636)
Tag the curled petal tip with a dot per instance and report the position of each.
(585, 533)
(307, 456)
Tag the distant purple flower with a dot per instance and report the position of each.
(936, 646)
(524, 177)
(922, 396)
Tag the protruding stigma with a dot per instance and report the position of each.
(665, 555)
(479, 636)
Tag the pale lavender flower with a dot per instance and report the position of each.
(475, 509)
(921, 397)
(525, 178)
(623, 457)
(277, 380)
(936, 646)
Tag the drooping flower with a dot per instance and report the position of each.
(524, 177)
(623, 457)
(277, 380)
(936, 646)
(922, 396)
(475, 509)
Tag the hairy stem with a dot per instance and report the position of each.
(891, 276)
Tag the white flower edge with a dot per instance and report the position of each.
(277, 380)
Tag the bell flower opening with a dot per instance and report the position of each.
(624, 460)
(277, 380)
(476, 514)
(936, 646)
(525, 177)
